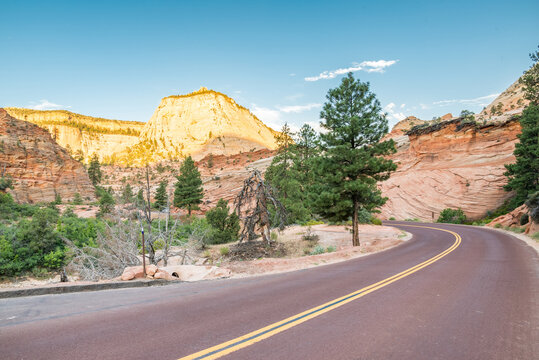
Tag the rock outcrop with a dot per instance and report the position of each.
(450, 164)
(80, 133)
(197, 124)
(39, 167)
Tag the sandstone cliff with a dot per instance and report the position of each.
(450, 164)
(198, 124)
(201, 123)
(39, 167)
(88, 134)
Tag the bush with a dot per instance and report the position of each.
(224, 251)
(77, 199)
(376, 221)
(392, 218)
(498, 226)
(524, 219)
(312, 222)
(225, 226)
(331, 249)
(452, 216)
(533, 205)
(318, 250)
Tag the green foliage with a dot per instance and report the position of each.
(522, 175)
(312, 222)
(106, 203)
(140, 196)
(6, 182)
(57, 199)
(330, 249)
(535, 236)
(318, 250)
(225, 226)
(10, 210)
(498, 226)
(94, 170)
(77, 199)
(210, 161)
(524, 219)
(188, 189)
(161, 196)
(533, 205)
(452, 216)
(392, 218)
(224, 251)
(353, 159)
(530, 80)
(376, 221)
(127, 194)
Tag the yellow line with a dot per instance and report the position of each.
(228, 347)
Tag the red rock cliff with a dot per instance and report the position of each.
(39, 167)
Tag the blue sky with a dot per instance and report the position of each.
(117, 59)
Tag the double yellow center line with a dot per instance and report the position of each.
(228, 347)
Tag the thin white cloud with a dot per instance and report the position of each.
(294, 97)
(481, 101)
(390, 109)
(368, 66)
(270, 117)
(47, 105)
(402, 106)
(299, 108)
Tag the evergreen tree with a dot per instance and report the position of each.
(530, 80)
(523, 174)
(161, 196)
(140, 197)
(127, 194)
(352, 160)
(106, 203)
(94, 170)
(188, 191)
(225, 226)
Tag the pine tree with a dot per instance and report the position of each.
(352, 160)
(140, 197)
(94, 170)
(225, 226)
(188, 191)
(523, 174)
(127, 194)
(161, 196)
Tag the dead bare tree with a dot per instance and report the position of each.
(117, 248)
(146, 207)
(251, 205)
(166, 234)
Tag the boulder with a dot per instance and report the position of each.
(161, 274)
(128, 275)
(510, 219)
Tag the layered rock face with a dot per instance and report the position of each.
(200, 123)
(39, 167)
(88, 134)
(450, 165)
(196, 124)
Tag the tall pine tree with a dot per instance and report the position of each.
(188, 191)
(523, 174)
(352, 160)
(94, 170)
(161, 196)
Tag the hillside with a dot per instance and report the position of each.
(39, 167)
(455, 163)
(200, 123)
(76, 132)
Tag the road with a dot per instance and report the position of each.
(456, 293)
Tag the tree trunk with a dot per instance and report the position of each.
(355, 230)
(189, 210)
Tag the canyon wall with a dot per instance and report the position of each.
(40, 168)
(451, 164)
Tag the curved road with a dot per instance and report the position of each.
(463, 293)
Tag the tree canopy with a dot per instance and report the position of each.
(351, 162)
(188, 191)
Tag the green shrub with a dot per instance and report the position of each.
(224, 251)
(54, 259)
(318, 250)
(77, 199)
(535, 236)
(392, 218)
(376, 221)
(312, 222)
(274, 236)
(498, 226)
(452, 216)
(331, 249)
(524, 219)
(225, 226)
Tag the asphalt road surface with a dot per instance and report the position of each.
(463, 293)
